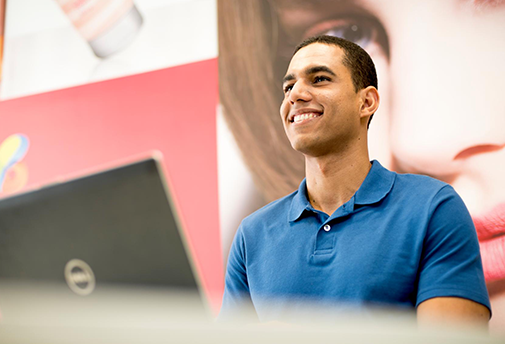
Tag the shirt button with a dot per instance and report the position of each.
(327, 228)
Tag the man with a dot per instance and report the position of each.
(353, 233)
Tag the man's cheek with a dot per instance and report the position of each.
(283, 110)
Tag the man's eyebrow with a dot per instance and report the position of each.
(309, 71)
(287, 78)
(317, 69)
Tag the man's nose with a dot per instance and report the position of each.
(300, 93)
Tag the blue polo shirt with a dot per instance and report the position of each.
(400, 240)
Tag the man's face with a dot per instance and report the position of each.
(320, 110)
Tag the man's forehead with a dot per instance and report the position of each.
(314, 55)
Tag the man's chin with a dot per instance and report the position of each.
(310, 149)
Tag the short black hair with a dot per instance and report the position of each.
(356, 59)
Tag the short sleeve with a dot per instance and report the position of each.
(451, 265)
(236, 299)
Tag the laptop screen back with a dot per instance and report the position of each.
(119, 223)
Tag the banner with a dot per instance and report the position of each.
(440, 66)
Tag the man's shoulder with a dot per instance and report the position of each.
(381, 182)
(417, 192)
(272, 212)
(423, 193)
(420, 184)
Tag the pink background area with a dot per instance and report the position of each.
(86, 128)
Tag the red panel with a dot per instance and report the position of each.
(171, 110)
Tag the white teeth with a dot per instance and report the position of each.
(301, 117)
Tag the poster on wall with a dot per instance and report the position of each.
(440, 67)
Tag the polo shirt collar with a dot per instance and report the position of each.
(377, 184)
(300, 202)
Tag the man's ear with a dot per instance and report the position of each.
(370, 101)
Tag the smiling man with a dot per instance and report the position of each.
(353, 234)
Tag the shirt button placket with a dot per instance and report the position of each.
(325, 240)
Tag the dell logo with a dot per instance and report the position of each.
(79, 277)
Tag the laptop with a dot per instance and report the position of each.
(104, 247)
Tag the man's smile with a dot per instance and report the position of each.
(304, 115)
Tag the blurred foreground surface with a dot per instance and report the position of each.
(149, 315)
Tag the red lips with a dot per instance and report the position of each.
(491, 232)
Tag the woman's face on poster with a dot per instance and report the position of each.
(441, 67)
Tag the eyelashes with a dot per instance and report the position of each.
(321, 78)
(361, 30)
(287, 88)
(317, 79)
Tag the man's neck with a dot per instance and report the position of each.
(332, 180)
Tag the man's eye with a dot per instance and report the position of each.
(320, 78)
(287, 88)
